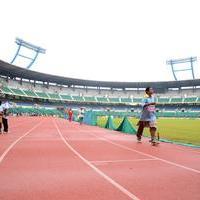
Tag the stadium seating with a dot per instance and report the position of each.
(18, 92)
(176, 100)
(6, 90)
(163, 100)
(126, 100)
(102, 99)
(54, 96)
(90, 99)
(198, 100)
(114, 100)
(30, 93)
(137, 100)
(78, 98)
(190, 99)
(66, 97)
(42, 95)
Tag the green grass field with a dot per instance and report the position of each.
(178, 130)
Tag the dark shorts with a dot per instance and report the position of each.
(81, 118)
(147, 124)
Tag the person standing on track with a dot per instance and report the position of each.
(148, 116)
(81, 115)
(1, 116)
(70, 115)
(5, 119)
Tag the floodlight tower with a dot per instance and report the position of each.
(174, 62)
(23, 44)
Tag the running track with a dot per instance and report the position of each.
(51, 159)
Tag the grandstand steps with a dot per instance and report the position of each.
(66, 97)
(7, 90)
(48, 95)
(60, 97)
(42, 95)
(96, 99)
(30, 93)
(23, 92)
(18, 92)
(53, 96)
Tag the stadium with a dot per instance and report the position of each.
(37, 94)
(22, 85)
(67, 137)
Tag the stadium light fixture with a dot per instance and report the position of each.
(36, 49)
(190, 68)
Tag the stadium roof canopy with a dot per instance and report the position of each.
(13, 71)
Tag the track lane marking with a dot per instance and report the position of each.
(110, 180)
(118, 161)
(16, 141)
(148, 155)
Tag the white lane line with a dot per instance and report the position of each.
(15, 142)
(118, 161)
(110, 180)
(148, 155)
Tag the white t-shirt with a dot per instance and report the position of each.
(81, 113)
(1, 108)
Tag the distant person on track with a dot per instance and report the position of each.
(148, 116)
(1, 116)
(70, 115)
(5, 117)
(81, 115)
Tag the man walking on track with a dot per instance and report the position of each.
(148, 116)
(1, 116)
(70, 115)
(4, 116)
(81, 115)
(5, 119)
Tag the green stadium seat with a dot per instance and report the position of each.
(30, 93)
(190, 99)
(90, 99)
(17, 92)
(66, 97)
(176, 100)
(53, 96)
(78, 98)
(7, 90)
(102, 99)
(163, 100)
(126, 100)
(137, 100)
(42, 95)
(114, 100)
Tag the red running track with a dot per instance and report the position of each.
(49, 158)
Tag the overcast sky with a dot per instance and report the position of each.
(116, 40)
